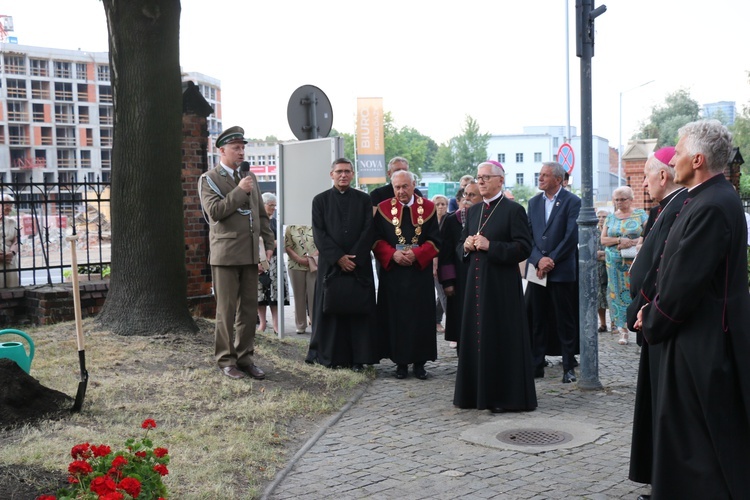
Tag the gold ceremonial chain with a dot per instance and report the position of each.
(481, 225)
(397, 222)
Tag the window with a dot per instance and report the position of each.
(63, 113)
(16, 89)
(39, 90)
(106, 176)
(17, 135)
(537, 157)
(519, 157)
(106, 115)
(501, 157)
(85, 159)
(261, 160)
(15, 65)
(17, 112)
(62, 69)
(251, 160)
(105, 93)
(83, 92)
(105, 137)
(83, 114)
(37, 112)
(81, 70)
(271, 159)
(40, 157)
(66, 158)
(39, 67)
(102, 73)
(555, 142)
(536, 179)
(63, 91)
(66, 136)
(46, 136)
(519, 179)
(106, 159)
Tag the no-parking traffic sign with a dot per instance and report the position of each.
(566, 157)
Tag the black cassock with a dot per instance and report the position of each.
(700, 317)
(642, 288)
(495, 367)
(406, 294)
(452, 271)
(342, 225)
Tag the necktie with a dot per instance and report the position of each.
(236, 177)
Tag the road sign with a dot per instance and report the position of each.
(566, 157)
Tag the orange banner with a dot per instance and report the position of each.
(370, 146)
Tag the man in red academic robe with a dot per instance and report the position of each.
(407, 239)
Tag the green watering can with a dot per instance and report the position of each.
(16, 351)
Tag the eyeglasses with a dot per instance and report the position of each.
(486, 178)
(622, 199)
(470, 195)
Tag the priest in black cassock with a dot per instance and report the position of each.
(407, 240)
(495, 367)
(659, 181)
(700, 317)
(451, 267)
(342, 230)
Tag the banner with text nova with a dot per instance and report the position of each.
(370, 147)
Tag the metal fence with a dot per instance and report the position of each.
(42, 215)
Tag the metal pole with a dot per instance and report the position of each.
(587, 275)
(567, 69)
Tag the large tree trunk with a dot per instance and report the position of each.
(148, 283)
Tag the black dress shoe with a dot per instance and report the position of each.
(569, 376)
(402, 371)
(254, 372)
(539, 371)
(497, 410)
(644, 497)
(358, 368)
(232, 372)
(420, 372)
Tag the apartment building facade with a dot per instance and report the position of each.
(57, 114)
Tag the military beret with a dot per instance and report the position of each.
(232, 134)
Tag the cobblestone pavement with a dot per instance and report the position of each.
(402, 439)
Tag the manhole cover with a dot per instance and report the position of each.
(534, 437)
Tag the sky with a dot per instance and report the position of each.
(435, 62)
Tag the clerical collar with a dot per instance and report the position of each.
(497, 196)
(411, 202)
(691, 188)
(340, 191)
(228, 169)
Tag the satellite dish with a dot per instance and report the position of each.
(309, 113)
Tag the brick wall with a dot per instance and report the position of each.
(195, 163)
(50, 304)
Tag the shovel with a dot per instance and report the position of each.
(79, 326)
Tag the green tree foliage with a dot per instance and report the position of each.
(409, 143)
(678, 109)
(462, 154)
(523, 193)
(741, 138)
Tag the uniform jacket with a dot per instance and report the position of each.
(232, 241)
(558, 238)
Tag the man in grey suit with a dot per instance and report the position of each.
(236, 219)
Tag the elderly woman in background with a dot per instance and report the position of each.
(455, 203)
(303, 270)
(621, 230)
(601, 271)
(268, 293)
(9, 249)
(441, 208)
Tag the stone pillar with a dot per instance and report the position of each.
(633, 161)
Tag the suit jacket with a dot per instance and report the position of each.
(232, 241)
(558, 238)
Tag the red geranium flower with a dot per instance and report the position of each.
(140, 454)
(114, 495)
(101, 451)
(119, 461)
(73, 480)
(160, 452)
(102, 485)
(46, 497)
(80, 467)
(149, 423)
(161, 469)
(80, 451)
(131, 486)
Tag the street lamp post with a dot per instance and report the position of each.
(619, 150)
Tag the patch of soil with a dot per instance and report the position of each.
(23, 400)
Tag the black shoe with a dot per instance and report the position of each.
(497, 410)
(569, 376)
(539, 371)
(358, 368)
(420, 372)
(644, 497)
(402, 371)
